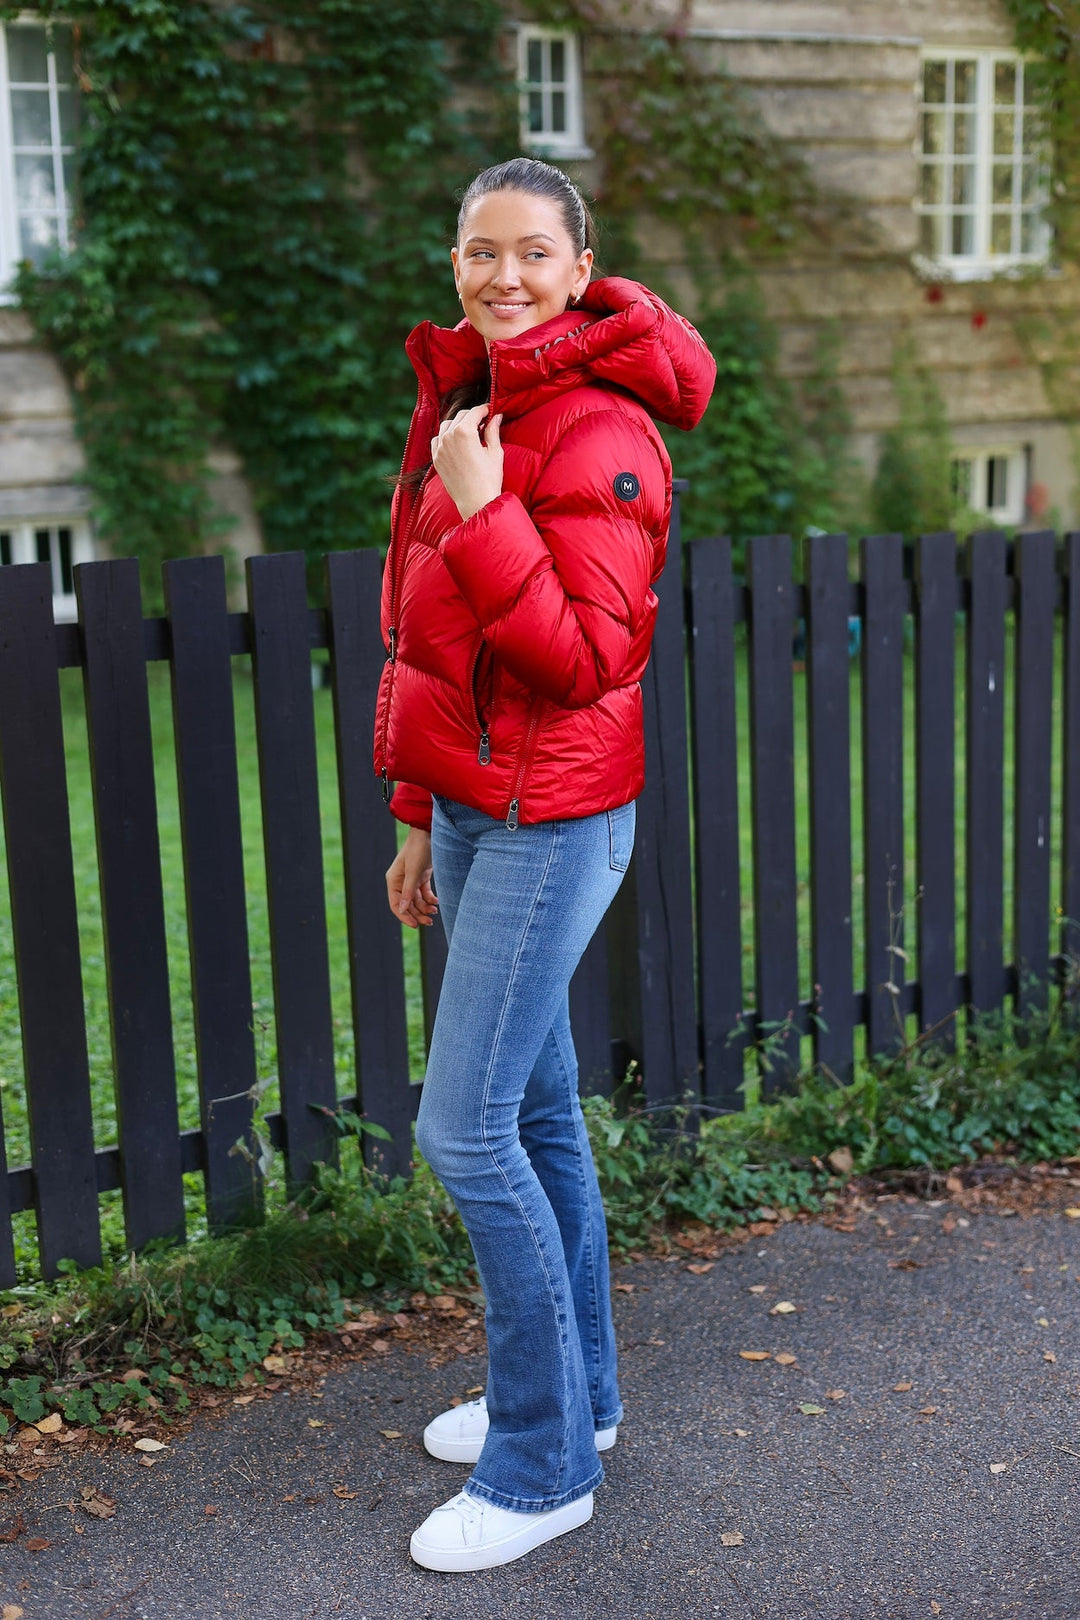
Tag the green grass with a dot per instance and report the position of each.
(103, 1104)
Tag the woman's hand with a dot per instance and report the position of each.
(471, 468)
(408, 882)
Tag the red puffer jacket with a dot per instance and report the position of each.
(517, 639)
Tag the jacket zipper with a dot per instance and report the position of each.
(519, 780)
(483, 756)
(397, 553)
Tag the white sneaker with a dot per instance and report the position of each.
(458, 1435)
(466, 1533)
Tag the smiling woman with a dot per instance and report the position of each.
(529, 526)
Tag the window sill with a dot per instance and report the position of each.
(981, 269)
(573, 152)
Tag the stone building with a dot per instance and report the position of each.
(921, 113)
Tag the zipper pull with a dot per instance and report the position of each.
(484, 756)
(385, 786)
(392, 637)
(512, 818)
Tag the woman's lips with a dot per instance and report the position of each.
(507, 311)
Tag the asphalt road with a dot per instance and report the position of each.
(885, 1505)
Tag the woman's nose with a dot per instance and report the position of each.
(507, 274)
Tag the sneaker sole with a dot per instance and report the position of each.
(468, 1451)
(460, 1560)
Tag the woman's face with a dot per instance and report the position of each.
(515, 263)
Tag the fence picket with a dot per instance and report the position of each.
(716, 821)
(883, 787)
(369, 841)
(1036, 592)
(292, 837)
(829, 746)
(1070, 752)
(935, 779)
(132, 903)
(772, 774)
(590, 1018)
(205, 734)
(985, 768)
(41, 879)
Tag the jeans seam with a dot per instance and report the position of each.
(590, 1247)
(500, 1171)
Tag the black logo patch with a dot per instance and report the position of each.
(627, 486)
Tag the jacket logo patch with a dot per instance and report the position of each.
(627, 487)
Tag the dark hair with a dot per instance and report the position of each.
(536, 179)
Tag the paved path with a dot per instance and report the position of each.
(882, 1506)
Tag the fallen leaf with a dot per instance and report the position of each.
(444, 1302)
(742, 1432)
(902, 1389)
(935, 1608)
(210, 1509)
(906, 1265)
(345, 1494)
(841, 1159)
(699, 1271)
(731, 1538)
(316, 1423)
(835, 1394)
(148, 1462)
(96, 1503)
(784, 1358)
(80, 1529)
(767, 1213)
(243, 1400)
(391, 1434)
(757, 1288)
(477, 1389)
(30, 1475)
(50, 1424)
(18, 1528)
(275, 1364)
(928, 1410)
(380, 1347)
(134, 1375)
(1075, 1213)
(149, 1445)
(38, 1544)
(998, 1468)
(755, 1355)
(1041, 1321)
(11, 1611)
(783, 1307)
(810, 1408)
(1048, 1355)
(624, 1288)
(948, 1224)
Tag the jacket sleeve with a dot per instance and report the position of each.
(559, 589)
(412, 805)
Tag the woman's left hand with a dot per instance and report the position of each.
(470, 467)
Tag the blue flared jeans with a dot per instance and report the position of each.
(501, 1125)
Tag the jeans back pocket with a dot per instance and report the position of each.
(621, 823)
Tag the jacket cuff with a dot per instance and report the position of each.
(412, 805)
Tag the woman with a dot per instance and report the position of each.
(529, 524)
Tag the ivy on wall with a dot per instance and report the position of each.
(267, 195)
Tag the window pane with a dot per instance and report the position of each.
(558, 61)
(930, 234)
(61, 49)
(69, 116)
(997, 482)
(1031, 232)
(1031, 186)
(68, 165)
(535, 56)
(963, 235)
(1004, 133)
(42, 548)
(30, 122)
(1005, 83)
(1002, 183)
(964, 83)
(558, 112)
(933, 183)
(27, 53)
(536, 112)
(35, 186)
(1001, 233)
(37, 233)
(67, 583)
(963, 132)
(934, 81)
(934, 132)
(5, 547)
(963, 183)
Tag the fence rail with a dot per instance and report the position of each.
(679, 979)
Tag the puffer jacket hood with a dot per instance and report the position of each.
(620, 333)
(517, 638)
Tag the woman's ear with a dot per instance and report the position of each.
(457, 277)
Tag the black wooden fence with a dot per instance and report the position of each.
(671, 981)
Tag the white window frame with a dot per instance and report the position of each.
(23, 548)
(10, 235)
(982, 263)
(568, 142)
(978, 457)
